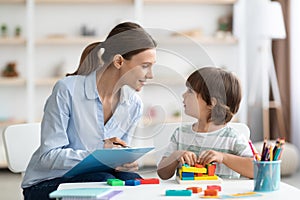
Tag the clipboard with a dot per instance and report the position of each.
(102, 160)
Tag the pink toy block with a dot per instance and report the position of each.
(214, 187)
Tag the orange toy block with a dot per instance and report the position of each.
(195, 189)
(214, 187)
(211, 170)
(199, 166)
(210, 192)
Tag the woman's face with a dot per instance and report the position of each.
(194, 105)
(138, 69)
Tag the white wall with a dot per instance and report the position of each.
(295, 71)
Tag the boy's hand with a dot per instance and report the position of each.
(207, 157)
(187, 157)
(128, 167)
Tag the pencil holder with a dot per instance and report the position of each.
(266, 176)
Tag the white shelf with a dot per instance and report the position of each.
(82, 1)
(46, 81)
(12, 81)
(12, 1)
(221, 2)
(12, 41)
(67, 40)
(205, 40)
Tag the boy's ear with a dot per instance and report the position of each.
(118, 61)
(213, 101)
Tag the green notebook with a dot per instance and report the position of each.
(80, 193)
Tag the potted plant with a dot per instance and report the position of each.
(4, 30)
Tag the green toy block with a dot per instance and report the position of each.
(115, 182)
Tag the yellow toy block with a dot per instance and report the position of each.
(206, 177)
(193, 169)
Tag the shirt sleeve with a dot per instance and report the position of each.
(54, 137)
(242, 148)
(173, 144)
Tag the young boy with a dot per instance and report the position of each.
(213, 96)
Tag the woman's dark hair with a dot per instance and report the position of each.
(223, 86)
(126, 39)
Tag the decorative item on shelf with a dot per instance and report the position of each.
(224, 27)
(18, 31)
(4, 30)
(86, 31)
(197, 32)
(176, 114)
(10, 70)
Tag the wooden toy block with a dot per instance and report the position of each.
(199, 166)
(208, 180)
(149, 181)
(210, 192)
(178, 193)
(187, 178)
(187, 174)
(214, 187)
(193, 169)
(115, 182)
(206, 177)
(211, 170)
(133, 182)
(198, 174)
(195, 189)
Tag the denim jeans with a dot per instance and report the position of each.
(41, 190)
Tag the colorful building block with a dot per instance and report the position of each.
(211, 168)
(149, 181)
(132, 182)
(214, 187)
(178, 192)
(206, 177)
(195, 189)
(115, 182)
(193, 169)
(210, 192)
(187, 174)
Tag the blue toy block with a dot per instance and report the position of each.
(133, 182)
(187, 174)
(178, 192)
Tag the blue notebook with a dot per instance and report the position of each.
(102, 160)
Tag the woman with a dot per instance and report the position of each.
(92, 108)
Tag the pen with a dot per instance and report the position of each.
(117, 143)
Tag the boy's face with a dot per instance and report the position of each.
(194, 105)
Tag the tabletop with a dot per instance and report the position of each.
(157, 191)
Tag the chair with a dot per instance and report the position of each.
(20, 142)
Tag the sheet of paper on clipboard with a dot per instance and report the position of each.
(107, 159)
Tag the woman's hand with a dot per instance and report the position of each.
(128, 167)
(187, 157)
(114, 142)
(209, 156)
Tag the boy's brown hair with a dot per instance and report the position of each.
(220, 89)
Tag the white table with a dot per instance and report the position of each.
(142, 192)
